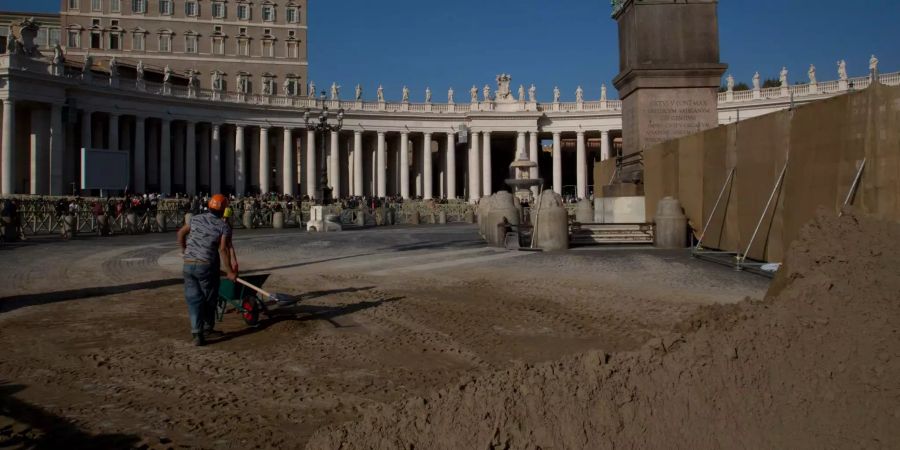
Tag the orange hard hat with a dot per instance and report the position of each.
(218, 202)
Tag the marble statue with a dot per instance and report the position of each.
(140, 69)
(286, 87)
(783, 77)
(335, 91)
(88, 63)
(216, 81)
(522, 93)
(556, 94)
(579, 95)
(756, 81)
(269, 86)
(427, 95)
(729, 82)
(113, 68)
(842, 69)
(474, 93)
(167, 74)
(603, 92)
(532, 94)
(58, 57)
(358, 92)
(487, 93)
(405, 94)
(312, 89)
(450, 95)
(873, 63)
(192, 79)
(243, 84)
(812, 74)
(503, 93)
(380, 93)
(11, 44)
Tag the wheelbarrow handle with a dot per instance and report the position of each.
(257, 289)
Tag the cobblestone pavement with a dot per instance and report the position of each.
(95, 330)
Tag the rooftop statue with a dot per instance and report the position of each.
(113, 68)
(474, 93)
(405, 94)
(167, 74)
(756, 81)
(58, 57)
(842, 69)
(216, 81)
(579, 95)
(603, 92)
(335, 91)
(243, 84)
(503, 93)
(532, 94)
(556, 94)
(487, 93)
(873, 63)
(380, 93)
(427, 95)
(312, 89)
(140, 69)
(450, 95)
(730, 82)
(286, 87)
(783, 77)
(358, 92)
(88, 62)
(812, 74)
(521, 93)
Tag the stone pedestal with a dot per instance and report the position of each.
(671, 224)
(669, 70)
(584, 211)
(551, 222)
(278, 220)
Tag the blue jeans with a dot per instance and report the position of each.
(201, 292)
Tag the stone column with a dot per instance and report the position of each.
(520, 145)
(382, 166)
(451, 165)
(190, 158)
(357, 162)
(85, 132)
(240, 158)
(57, 143)
(311, 163)
(427, 167)
(335, 178)
(404, 165)
(215, 160)
(289, 184)
(139, 184)
(486, 166)
(604, 145)
(533, 156)
(165, 156)
(38, 152)
(113, 131)
(264, 166)
(474, 168)
(8, 150)
(581, 166)
(557, 163)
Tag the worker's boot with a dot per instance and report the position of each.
(199, 340)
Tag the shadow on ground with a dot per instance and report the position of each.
(23, 425)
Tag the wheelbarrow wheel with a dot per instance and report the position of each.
(250, 310)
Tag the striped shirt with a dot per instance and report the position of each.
(203, 240)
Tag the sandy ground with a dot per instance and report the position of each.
(96, 349)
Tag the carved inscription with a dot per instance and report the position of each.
(673, 118)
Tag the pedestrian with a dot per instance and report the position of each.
(205, 243)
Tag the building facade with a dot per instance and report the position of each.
(48, 34)
(257, 46)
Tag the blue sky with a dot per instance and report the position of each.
(423, 43)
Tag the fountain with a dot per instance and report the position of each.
(521, 181)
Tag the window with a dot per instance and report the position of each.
(292, 49)
(191, 8)
(190, 43)
(54, 37)
(114, 41)
(218, 45)
(41, 39)
(165, 43)
(73, 4)
(218, 10)
(268, 13)
(96, 5)
(115, 6)
(292, 14)
(96, 40)
(95, 23)
(267, 32)
(243, 47)
(137, 41)
(268, 49)
(242, 31)
(165, 7)
(243, 11)
(73, 39)
(114, 23)
(139, 6)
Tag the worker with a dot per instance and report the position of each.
(205, 243)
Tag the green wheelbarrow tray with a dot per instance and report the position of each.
(245, 300)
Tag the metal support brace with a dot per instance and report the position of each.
(742, 257)
(699, 246)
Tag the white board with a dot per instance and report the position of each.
(105, 169)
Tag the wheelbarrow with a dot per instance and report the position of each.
(248, 299)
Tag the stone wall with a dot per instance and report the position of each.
(820, 145)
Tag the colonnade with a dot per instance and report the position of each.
(175, 154)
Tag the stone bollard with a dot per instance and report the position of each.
(161, 223)
(671, 224)
(442, 217)
(70, 223)
(103, 225)
(247, 220)
(361, 217)
(551, 222)
(470, 216)
(431, 218)
(584, 211)
(390, 216)
(503, 205)
(414, 218)
(278, 220)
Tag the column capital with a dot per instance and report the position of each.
(557, 133)
(357, 132)
(580, 133)
(8, 101)
(381, 133)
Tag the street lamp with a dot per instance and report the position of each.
(322, 128)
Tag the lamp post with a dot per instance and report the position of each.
(323, 128)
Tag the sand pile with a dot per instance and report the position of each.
(814, 365)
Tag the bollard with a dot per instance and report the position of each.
(247, 220)
(278, 220)
(414, 218)
(70, 222)
(470, 216)
(442, 218)
(361, 217)
(102, 225)
(551, 222)
(161, 222)
(671, 224)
